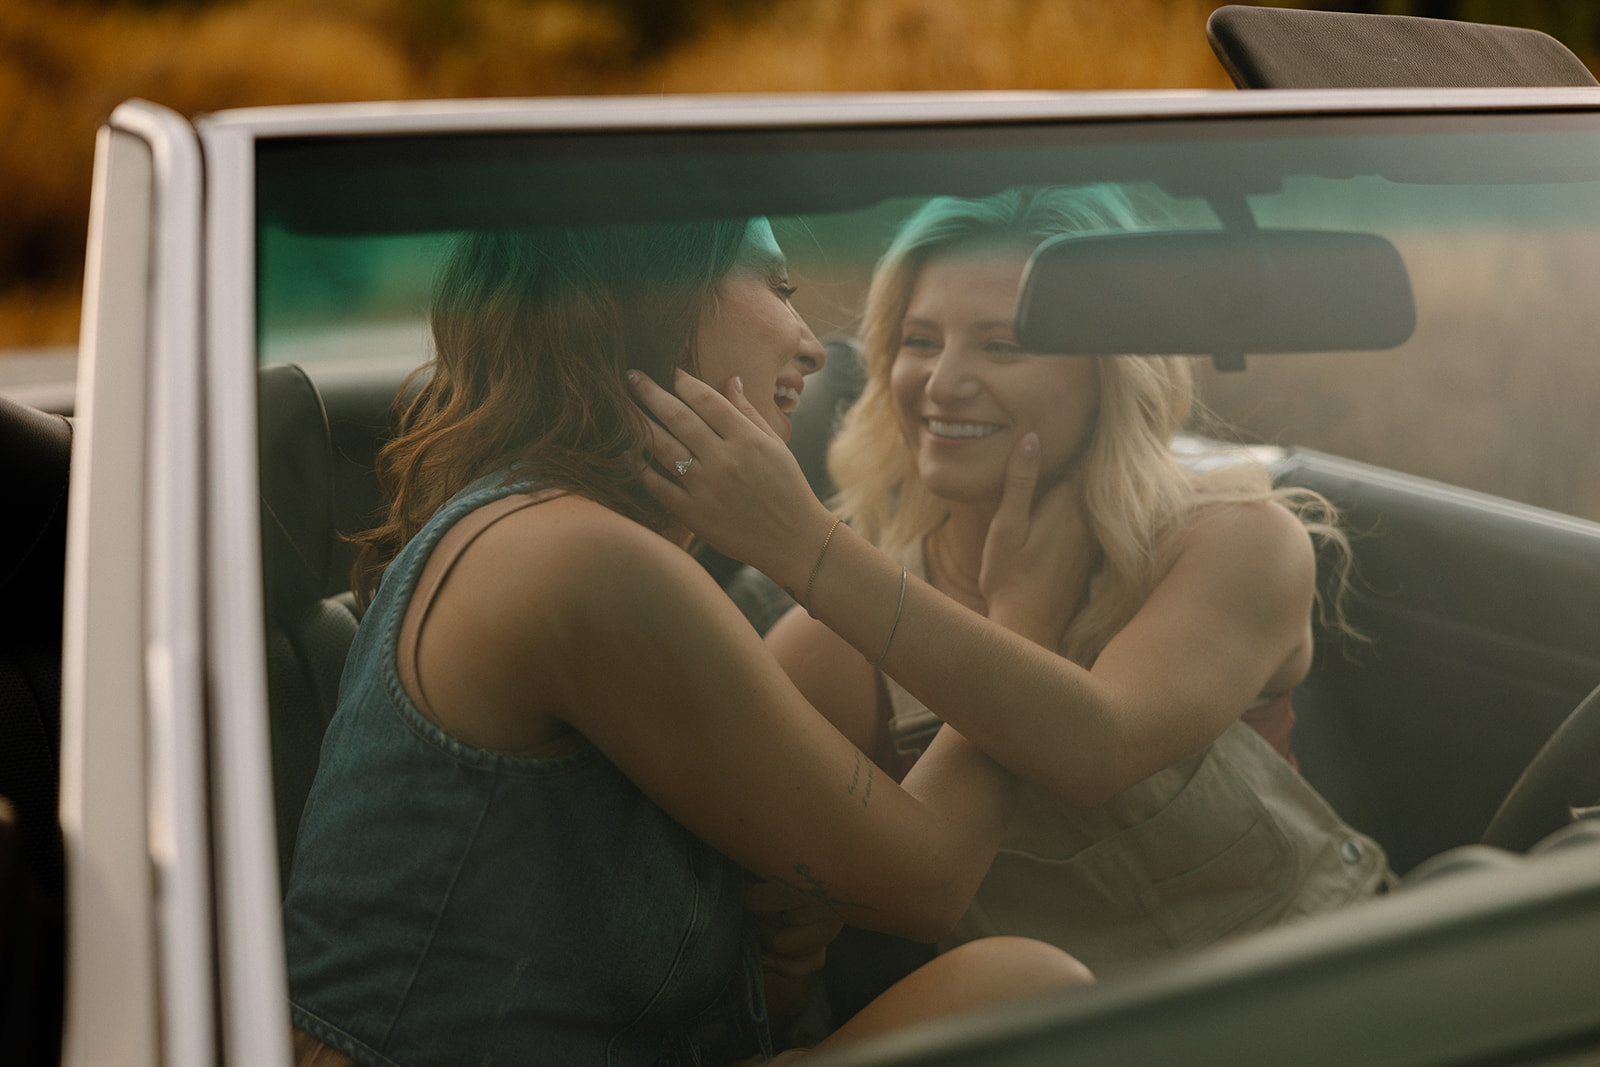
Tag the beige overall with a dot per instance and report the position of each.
(1228, 840)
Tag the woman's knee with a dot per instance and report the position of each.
(1016, 964)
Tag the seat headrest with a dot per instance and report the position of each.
(296, 489)
(37, 451)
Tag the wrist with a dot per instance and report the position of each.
(804, 555)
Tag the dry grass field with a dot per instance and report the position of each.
(1516, 419)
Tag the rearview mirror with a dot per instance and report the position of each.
(1224, 294)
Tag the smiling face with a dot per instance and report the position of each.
(750, 329)
(965, 393)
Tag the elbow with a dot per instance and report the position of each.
(926, 906)
(1103, 768)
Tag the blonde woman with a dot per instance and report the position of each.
(1022, 554)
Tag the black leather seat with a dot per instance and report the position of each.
(308, 634)
(36, 450)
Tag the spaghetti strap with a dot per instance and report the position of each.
(455, 541)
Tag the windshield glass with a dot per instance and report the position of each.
(1494, 225)
(1015, 363)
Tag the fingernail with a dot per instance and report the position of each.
(633, 377)
(1030, 444)
(738, 384)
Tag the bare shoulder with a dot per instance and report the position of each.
(572, 551)
(581, 533)
(545, 601)
(1257, 547)
(1247, 526)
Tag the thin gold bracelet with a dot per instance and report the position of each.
(812, 581)
(896, 624)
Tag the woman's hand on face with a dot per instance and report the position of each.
(721, 471)
(1037, 555)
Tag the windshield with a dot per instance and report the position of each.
(1494, 224)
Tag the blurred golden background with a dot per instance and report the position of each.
(65, 64)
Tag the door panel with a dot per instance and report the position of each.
(1484, 633)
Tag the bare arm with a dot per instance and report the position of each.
(1233, 607)
(832, 676)
(627, 640)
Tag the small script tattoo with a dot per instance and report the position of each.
(809, 885)
(855, 781)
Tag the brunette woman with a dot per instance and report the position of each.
(559, 747)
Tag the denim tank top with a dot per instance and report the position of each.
(1227, 840)
(449, 905)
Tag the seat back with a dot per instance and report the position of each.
(308, 634)
(36, 451)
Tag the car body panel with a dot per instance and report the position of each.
(1492, 967)
(863, 109)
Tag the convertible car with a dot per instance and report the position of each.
(257, 290)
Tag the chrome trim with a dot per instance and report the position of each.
(174, 612)
(862, 109)
(250, 923)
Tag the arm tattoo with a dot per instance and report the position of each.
(855, 781)
(808, 885)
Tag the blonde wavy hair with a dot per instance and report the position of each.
(1136, 492)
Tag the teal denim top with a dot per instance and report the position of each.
(449, 905)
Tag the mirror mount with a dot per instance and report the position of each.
(1238, 221)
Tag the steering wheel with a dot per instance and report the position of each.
(1564, 775)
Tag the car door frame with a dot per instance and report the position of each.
(134, 761)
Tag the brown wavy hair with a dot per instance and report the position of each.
(533, 334)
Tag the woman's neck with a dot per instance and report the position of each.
(953, 555)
